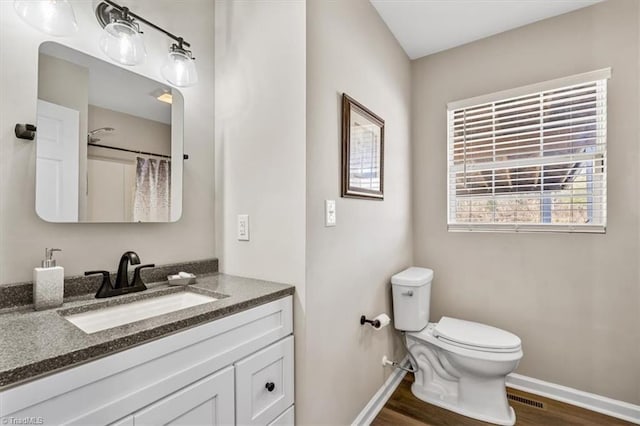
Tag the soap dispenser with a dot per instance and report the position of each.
(48, 283)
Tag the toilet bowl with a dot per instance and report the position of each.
(462, 365)
(463, 377)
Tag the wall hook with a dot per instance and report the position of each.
(25, 131)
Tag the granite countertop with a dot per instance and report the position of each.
(34, 343)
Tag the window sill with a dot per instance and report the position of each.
(524, 228)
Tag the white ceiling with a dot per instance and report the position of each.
(424, 27)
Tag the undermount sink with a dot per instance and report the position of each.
(114, 316)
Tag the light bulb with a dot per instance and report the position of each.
(179, 68)
(54, 17)
(122, 42)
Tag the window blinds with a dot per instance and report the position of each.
(530, 159)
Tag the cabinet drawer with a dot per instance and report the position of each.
(206, 402)
(285, 419)
(264, 384)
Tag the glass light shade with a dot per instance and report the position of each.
(179, 69)
(122, 42)
(54, 17)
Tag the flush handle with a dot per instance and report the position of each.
(408, 293)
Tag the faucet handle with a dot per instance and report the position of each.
(105, 274)
(137, 279)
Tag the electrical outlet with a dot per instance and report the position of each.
(243, 227)
(329, 212)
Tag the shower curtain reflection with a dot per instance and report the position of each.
(152, 200)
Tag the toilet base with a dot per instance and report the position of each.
(438, 400)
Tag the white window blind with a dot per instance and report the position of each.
(530, 159)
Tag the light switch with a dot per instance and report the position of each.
(243, 227)
(329, 212)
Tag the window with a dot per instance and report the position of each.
(530, 159)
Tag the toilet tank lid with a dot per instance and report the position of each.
(413, 277)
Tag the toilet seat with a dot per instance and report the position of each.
(475, 336)
(477, 351)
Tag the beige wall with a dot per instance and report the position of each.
(350, 49)
(23, 236)
(637, 254)
(260, 150)
(573, 299)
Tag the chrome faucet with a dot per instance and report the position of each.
(122, 285)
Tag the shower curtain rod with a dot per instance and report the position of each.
(185, 156)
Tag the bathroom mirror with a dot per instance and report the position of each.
(109, 142)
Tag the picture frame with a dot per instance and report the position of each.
(362, 151)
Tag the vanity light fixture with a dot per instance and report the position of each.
(179, 68)
(122, 40)
(53, 17)
(123, 43)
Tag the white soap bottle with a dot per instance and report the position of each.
(48, 283)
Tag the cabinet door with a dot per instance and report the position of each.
(206, 402)
(285, 419)
(264, 384)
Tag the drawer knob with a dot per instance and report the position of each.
(270, 386)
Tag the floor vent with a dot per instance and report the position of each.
(526, 401)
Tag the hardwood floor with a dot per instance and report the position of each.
(405, 409)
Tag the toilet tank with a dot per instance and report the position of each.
(411, 298)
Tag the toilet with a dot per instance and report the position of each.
(462, 365)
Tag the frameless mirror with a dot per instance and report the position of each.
(109, 142)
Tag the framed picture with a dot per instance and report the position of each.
(362, 151)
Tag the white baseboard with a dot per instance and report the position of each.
(375, 405)
(601, 404)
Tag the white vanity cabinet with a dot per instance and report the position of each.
(235, 370)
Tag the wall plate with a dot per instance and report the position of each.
(243, 227)
(329, 212)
